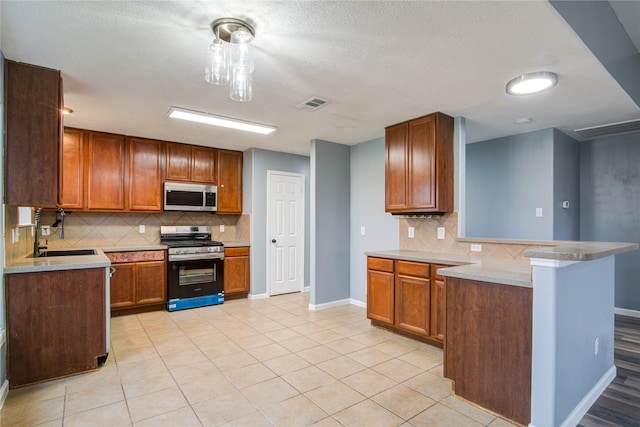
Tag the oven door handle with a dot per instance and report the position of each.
(192, 257)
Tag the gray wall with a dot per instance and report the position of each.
(330, 225)
(506, 180)
(566, 186)
(367, 210)
(610, 205)
(256, 164)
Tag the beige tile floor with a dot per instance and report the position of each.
(252, 363)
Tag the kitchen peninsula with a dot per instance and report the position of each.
(540, 361)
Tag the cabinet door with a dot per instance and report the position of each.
(412, 304)
(145, 175)
(32, 115)
(123, 285)
(438, 305)
(422, 163)
(413, 295)
(203, 164)
(71, 188)
(151, 282)
(236, 270)
(104, 171)
(229, 182)
(380, 296)
(396, 167)
(178, 162)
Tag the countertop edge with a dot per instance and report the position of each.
(581, 251)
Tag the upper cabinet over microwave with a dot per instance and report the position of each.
(419, 165)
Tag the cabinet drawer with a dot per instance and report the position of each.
(380, 264)
(417, 269)
(241, 251)
(135, 256)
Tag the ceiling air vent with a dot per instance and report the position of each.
(610, 129)
(312, 104)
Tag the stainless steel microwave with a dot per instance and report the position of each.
(182, 196)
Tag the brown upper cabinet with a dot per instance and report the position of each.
(109, 172)
(145, 174)
(229, 182)
(33, 103)
(190, 163)
(419, 165)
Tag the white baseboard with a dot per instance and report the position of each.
(326, 305)
(306, 289)
(357, 303)
(589, 399)
(626, 312)
(257, 296)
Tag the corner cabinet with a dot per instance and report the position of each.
(33, 126)
(419, 165)
(407, 297)
(236, 272)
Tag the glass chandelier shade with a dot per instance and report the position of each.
(217, 69)
(230, 57)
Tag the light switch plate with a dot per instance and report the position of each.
(46, 230)
(411, 232)
(476, 248)
(539, 212)
(222, 228)
(362, 231)
(441, 233)
(141, 228)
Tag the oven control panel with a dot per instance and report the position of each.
(196, 250)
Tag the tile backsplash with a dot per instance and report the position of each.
(94, 229)
(425, 239)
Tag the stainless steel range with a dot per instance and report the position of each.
(195, 271)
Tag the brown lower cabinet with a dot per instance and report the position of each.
(407, 297)
(488, 345)
(139, 279)
(56, 324)
(236, 272)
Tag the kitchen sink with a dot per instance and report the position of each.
(69, 252)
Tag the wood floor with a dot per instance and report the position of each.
(619, 405)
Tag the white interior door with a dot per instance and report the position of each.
(285, 232)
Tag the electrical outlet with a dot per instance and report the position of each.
(46, 230)
(440, 233)
(222, 228)
(362, 231)
(141, 228)
(411, 232)
(539, 212)
(476, 248)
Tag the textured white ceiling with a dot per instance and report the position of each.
(125, 64)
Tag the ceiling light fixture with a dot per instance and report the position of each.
(230, 57)
(212, 119)
(532, 83)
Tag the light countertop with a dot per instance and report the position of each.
(581, 251)
(29, 264)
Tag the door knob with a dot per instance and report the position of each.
(273, 240)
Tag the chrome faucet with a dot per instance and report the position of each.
(36, 242)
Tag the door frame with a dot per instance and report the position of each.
(301, 215)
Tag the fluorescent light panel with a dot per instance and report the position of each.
(212, 119)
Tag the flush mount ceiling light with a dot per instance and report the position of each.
(532, 83)
(212, 119)
(230, 57)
